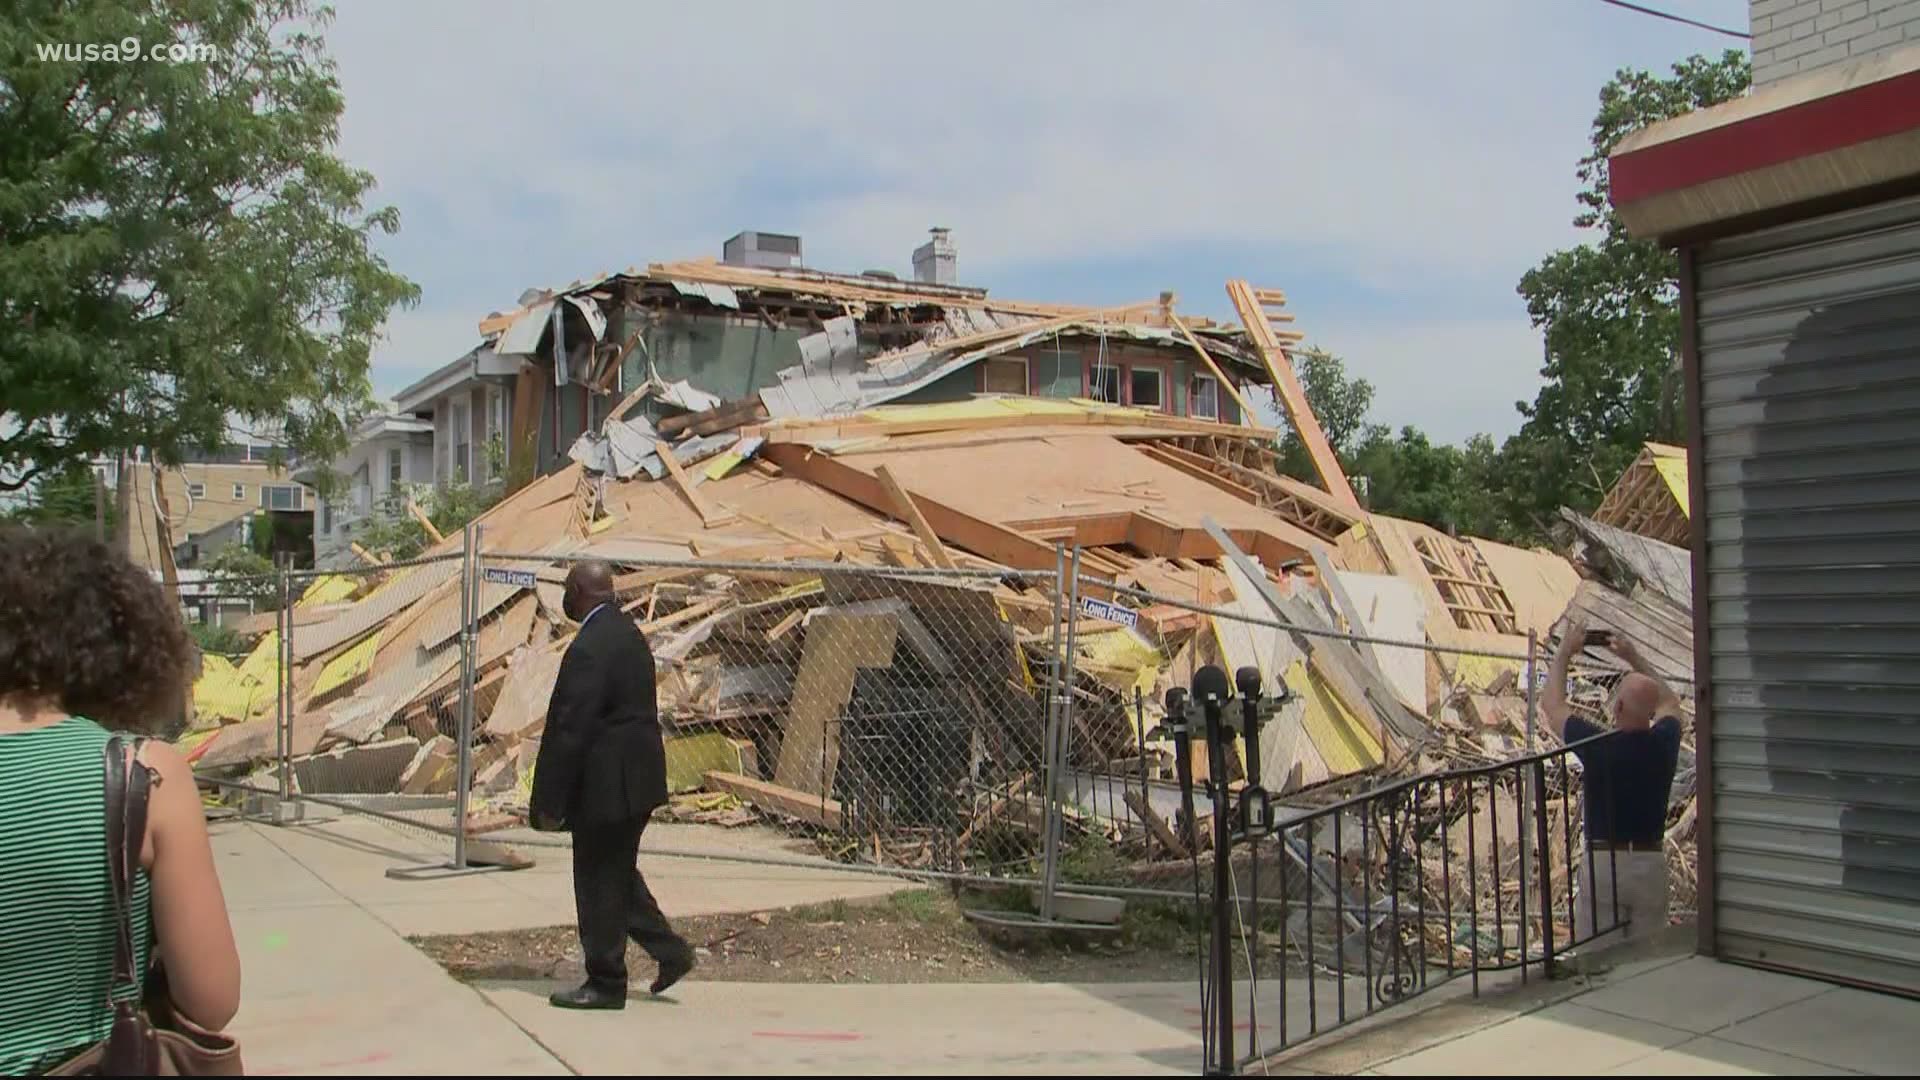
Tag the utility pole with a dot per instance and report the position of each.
(123, 503)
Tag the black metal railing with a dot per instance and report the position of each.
(1372, 891)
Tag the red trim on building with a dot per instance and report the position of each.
(1834, 122)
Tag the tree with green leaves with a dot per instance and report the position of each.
(1340, 402)
(66, 496)
(182, 249)
(1608, 311)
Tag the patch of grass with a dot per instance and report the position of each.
(1153, 924)
(1091, 860)
(833, 911)
(919, 905)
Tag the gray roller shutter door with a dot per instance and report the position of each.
(1809, 343)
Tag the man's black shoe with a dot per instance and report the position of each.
(587, 996)
(672, 970)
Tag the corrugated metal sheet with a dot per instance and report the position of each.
(1811, 400)
(523, 337)
(717, 295)
(834, 380)
(1658, 565)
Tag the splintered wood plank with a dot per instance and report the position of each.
(1293, 396)
(707, 515)
(812, 808)
(910, 513)
(785, 625)
(837, 646)
(1246, 410)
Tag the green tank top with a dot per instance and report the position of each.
(56, 899)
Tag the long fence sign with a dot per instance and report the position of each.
(494, 575)
(1111, 612)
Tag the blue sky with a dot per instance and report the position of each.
(1394, 165)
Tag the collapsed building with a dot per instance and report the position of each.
(846, 572)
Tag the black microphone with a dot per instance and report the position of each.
(1182, 733)
(1247, 680)
(1210, 685)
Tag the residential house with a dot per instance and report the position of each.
(760, 324)
(390, 459)
(215, 499)
(467, 405)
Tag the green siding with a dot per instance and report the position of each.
(731, 356)
(1056, 372)
(953, 386)
(573, 418)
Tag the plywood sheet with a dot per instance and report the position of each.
(1053, 482)
(1538, 583)
(1342, 738)
(836, 646)
(377, 608)
(1389, 607)
(526, 692)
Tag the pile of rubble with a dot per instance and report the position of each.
(855, 619)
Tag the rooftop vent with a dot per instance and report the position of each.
(765, 250)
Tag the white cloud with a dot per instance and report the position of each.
(1450, 378)
(1401, 146)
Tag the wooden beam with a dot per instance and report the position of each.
(905, 510)
(825, 549)
(773, 798)
(842, 430)
(720, 418)
(364, 555)
(523, 444)
(686, 614)
(426, 522)
(1246, 410)
(1058, 322)
(687, 490)
(1176, 458)
(1003, 545)
(1293, 397)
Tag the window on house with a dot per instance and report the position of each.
(1203, 397)
(395, 468)
(326, 517)
(496, 429)
(462, 443)
(239, 492)
(1103, 384)
(280, 497)
(196, 490)
(1005, 375)
(1147, 387)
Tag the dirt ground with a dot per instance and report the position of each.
(919, 936)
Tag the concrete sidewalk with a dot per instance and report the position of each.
(330, 989)
(331, 986)
(1673, 1015)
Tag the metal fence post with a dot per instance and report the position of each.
(1056, 718)
(1536, 793)
(283, 687)
(463, 737)
(1539, 773)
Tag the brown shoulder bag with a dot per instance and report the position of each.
(149, 1039)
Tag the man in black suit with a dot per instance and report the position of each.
(601, 773)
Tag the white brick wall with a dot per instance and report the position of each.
(1792, 36)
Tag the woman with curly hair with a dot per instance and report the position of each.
(89, 642)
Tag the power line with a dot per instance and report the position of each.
(1742, 34)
